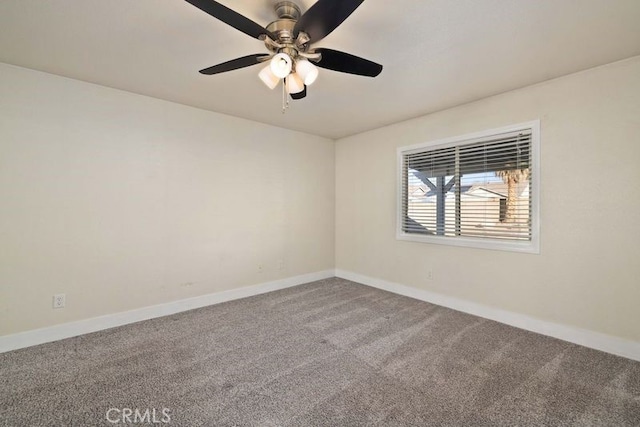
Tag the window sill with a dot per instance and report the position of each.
(532, 247)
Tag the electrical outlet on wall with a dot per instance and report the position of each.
(59, 300)
(430, 274)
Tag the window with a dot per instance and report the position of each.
(477, 190)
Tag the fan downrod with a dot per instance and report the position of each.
(287, 10)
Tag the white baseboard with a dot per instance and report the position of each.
(595, 340)
(72, 329)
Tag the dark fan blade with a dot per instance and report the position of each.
(234, 64)
(347, 63)
(324, 16)
(299, 95)
(231, 17)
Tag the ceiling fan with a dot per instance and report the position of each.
(289, 40)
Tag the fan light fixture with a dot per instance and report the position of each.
(281, 65)
(294, 83)
(307, 71)
(297, 73)
(268, 78)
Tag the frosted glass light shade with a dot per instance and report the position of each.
(307, 71)
(268, 78)
(294, 83)
(281, 65)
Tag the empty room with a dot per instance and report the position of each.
(320, 213)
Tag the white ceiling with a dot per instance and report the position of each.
(436, 53)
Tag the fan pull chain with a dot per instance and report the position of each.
(285, 99)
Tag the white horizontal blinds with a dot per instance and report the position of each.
(423, 171)
(496, 175)
(477, 188)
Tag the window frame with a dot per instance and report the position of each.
(531, 246)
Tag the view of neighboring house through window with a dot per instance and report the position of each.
(474, 190)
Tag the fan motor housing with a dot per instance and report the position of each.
(283, 29)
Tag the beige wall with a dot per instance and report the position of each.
(123, 201)
(587, 274)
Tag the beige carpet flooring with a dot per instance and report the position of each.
(327, 353)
